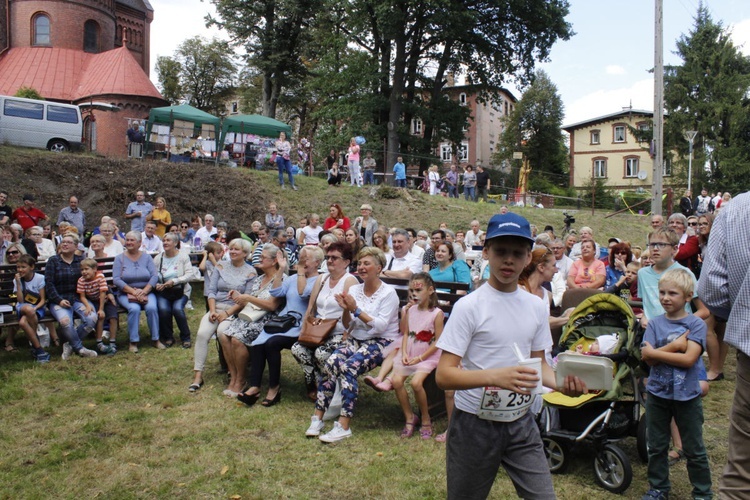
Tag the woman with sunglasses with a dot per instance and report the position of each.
(619, 258)
(588, 271)
(336, 281)
(688, 247)
(12, 253)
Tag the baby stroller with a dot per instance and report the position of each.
(602, 418)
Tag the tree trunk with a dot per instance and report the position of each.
(396, 99)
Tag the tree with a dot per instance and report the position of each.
(202, 73)
(29, 93)
(534, 129)
(168, 73)
(709, 92)
(273, 32)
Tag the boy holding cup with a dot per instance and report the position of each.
(491, 424)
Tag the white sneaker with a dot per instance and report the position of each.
(337, 434)
(316, 425)
(67, 351)
(86, 353)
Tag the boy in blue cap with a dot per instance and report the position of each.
(491, 424)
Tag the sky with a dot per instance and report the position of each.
(602, 69)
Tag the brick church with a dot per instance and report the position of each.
(93, 53)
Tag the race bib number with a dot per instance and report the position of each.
(501, 405)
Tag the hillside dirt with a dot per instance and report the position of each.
(106, 186)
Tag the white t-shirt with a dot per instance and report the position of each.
(311, 234)
(483, 327)
(205, 235)
(46, 249)
(418, 252)
(563, 266)
(34, 286)
(471, 239)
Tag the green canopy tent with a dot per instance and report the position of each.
(253, 124)
(184, 112)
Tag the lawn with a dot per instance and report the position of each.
(126, 427)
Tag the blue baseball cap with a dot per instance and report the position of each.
(508, 224)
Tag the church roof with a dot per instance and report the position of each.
(71, 75)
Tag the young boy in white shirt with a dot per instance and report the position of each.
(491, 424)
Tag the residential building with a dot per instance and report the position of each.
(606, 148)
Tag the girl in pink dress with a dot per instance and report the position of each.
(421, 326)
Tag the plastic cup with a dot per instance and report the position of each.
(536, 364)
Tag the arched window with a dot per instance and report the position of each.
(41, 30)
(91, 36)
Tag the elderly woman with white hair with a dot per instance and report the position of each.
(44, 247)
(688, 248)
(135, 277)
(174, 271)
(585, 234)
(365, 225)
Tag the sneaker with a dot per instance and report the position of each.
(655, 495)
(86, 353)
(316, 425)
(42, 357)
(294, 187)
(336, 434)
(189, 305)
(106, 349)
(67, 351)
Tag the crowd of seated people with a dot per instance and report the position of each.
(313, 270)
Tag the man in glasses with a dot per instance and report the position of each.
(562, 261)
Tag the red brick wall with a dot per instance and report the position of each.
(137, 26)
(111, 126)
(66, 22)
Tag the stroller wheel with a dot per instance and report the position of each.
(557, 455)
(612, 469)
(641, 440)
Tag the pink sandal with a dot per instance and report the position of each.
(440, 438)
(426, 431)
(408, 430)
(372, 382)
(384, 386)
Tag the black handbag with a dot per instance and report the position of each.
(283, 323)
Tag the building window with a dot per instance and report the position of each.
(618, 132)
(463, 151)
(462, 98)
(41, 30)
(667, 169)
(595, 136)
(416, 126)
(600, 168)
(631, 167)
(446, 152)
(644, 132)
(91, 37)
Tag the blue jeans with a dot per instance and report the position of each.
(284, 166)
(452, 191)
(134, 316)
(401, 183)
(66, 316)
(369, 177)
(169, 309)
(469, 193)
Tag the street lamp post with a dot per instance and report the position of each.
(690, 137)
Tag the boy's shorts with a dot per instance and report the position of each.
(110, 310)
(39, 312)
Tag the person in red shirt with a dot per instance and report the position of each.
(28, 215)
(336, 218)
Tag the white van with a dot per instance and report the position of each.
(40, 124)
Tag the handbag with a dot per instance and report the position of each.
(251, 313)
(173, 293)
(315, 331)
(283, 323)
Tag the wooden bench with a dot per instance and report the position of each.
(8, 298)
(448, 294)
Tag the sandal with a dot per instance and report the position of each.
(10, 348)
(187, 345)
(426, 431)
(440, 438)
(408, 430)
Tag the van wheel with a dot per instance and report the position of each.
(58, 146)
